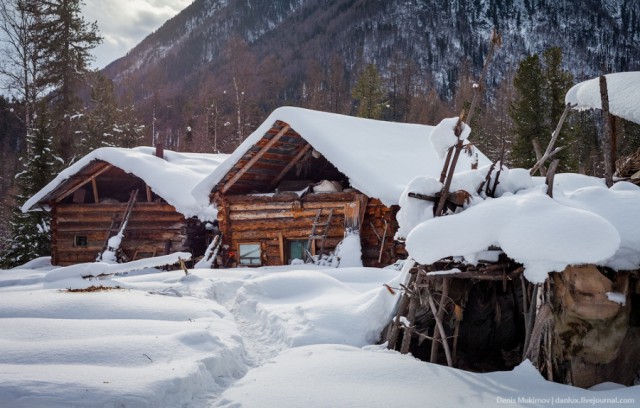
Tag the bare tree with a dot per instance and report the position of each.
(21, 55)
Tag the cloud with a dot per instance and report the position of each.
(124, 23)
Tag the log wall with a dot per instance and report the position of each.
(151, 228)
(272, 220)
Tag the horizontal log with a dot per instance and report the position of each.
(281, 224)
(287, 205)
(478, 275)
(107, 217)
(265, 215)
(99, 238)
(273, 234)
(319, 197)
(115, 207)
(101, 226)
(149, 234)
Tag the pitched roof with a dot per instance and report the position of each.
(172, 177)
(379, 158)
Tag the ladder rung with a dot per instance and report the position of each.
(316, 236)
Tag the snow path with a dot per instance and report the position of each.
(289, 308)
(258, 348)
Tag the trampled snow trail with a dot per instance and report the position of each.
(259, 348)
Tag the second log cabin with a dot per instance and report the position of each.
(305, 179)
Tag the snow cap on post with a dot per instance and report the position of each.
(443, 135)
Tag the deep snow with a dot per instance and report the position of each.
(268, 337)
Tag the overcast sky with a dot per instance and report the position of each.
(124, 23)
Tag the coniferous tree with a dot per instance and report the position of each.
(67, 41)
(104, 123)
(540, 90)
(369, 93)
(527, 111)
(30, 231)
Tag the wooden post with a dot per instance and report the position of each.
(392, 339)
(550, 176)
(281, 248)
(445, 344)
(450, 163)
(440, 314)
(495, 41)
(607, 135)
(447, 184)
(550, 151)
(529, 319)
(538, 152)
(411, 316)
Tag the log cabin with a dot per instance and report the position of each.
(304, 179)
(89, 201)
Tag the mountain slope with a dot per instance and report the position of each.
(273, 49)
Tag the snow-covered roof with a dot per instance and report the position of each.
(379, 158)
(172, 177)
(624, 95)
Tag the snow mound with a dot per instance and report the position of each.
(343, 376)
(304, 307)
(114, 348)
(532, 229)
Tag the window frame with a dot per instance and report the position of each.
(251, 263)
(287, 250)
(80, 241)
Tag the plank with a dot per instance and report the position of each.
(81, 184)
(253, 160)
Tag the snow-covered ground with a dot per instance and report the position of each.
(270, 337)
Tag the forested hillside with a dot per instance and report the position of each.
(237, 60)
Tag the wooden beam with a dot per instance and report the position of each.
(288, 167)
(88, 180)
(607, 146)
(281, 248)
(94, 186)
(254, 159)
(149, 195)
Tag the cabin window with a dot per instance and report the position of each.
(80, 241)
(296, 249)
(249, 254)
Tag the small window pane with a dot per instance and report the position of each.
(297, 249)
(80, 241)
(249, 254)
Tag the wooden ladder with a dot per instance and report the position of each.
(324, 226)
(118, 225)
